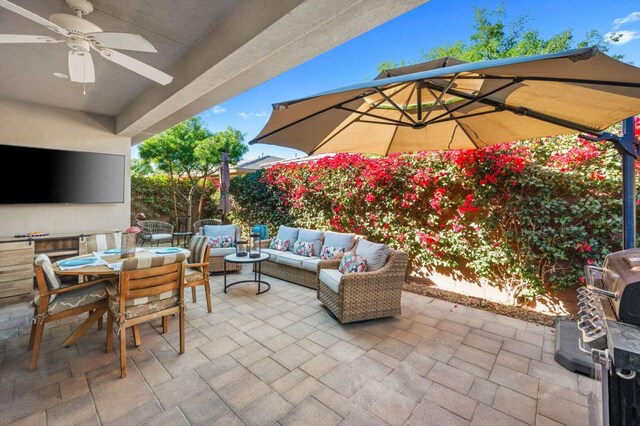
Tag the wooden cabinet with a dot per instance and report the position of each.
(16, 260)
(16, 268)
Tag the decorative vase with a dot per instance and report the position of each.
(128, 245)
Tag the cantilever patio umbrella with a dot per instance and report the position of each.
(450, 104)
(225, 203)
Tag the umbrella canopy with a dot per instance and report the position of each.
(450, 104)
(225, 203)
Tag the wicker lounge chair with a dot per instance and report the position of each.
(199, 224)
(365, 295)
(155, 231)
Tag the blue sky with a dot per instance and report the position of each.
(433, 24)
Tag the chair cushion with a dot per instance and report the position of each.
(352, 263)
(102, 242)
(312, 236)
(198, 246)
(329, 252)
(192, 274)
(311, 264)
(142, 305)
(220, 252)
(288, 233)
(288, 258)
(331, 278)
(156, 237)
(376, 254)
(303, 248)
(339, 239)
(221, 231)
(52, 279)
(75, 298)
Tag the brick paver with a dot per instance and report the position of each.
(281, 358)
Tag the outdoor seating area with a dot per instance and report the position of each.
(280, 356)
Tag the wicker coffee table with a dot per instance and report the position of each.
(257, 271)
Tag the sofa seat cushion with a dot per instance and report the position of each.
(311, 264)
(75, 298)
(219, 252)
(331, 278)
(273, 254)
(290, 259)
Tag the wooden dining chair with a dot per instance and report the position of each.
(53, 301)
(101, 242)
(149, 288)
(197, 267)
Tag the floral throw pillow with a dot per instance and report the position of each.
(329, 252)
(279, 244)
(303, 248)
(351, 262)
(224, 241)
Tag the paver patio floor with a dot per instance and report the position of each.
(280, 357)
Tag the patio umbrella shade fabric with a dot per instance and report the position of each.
(450, 104)
(225, 203)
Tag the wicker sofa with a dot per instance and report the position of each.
(363, 295)
(299, 269)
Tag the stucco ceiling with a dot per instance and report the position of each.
(173, 27)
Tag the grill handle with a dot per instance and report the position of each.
(591, 272)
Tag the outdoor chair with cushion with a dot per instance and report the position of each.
(197, 267)
(53, 301)
(100, 242)
(365, 295)
(156, 231)
(217, 254)
(199, 224)
(148, 288)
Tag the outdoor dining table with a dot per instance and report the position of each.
(109, 266)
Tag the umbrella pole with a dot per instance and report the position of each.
(629, 148)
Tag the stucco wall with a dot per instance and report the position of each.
(46, 127)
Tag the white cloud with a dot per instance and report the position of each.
(250, 115)
(632, 17)
(621, 37)
(218, 109)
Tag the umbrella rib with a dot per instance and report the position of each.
(566, 80)
(403, 112)
(391, 141)
(501, 106)
(368, 114)
(472, 100)
(439, 99)
(458, 124)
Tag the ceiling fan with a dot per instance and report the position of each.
(82, 36)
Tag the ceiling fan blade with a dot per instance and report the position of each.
(32, 16)
(81, 67)
(19, 38)
(136, 66)
(123, 41)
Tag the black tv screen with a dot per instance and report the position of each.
(56, 176)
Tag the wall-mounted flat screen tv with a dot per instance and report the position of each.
(56, 176)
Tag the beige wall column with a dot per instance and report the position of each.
(55, 128)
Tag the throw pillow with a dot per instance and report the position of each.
(288, 233)
(311, 236)
(352, 263)
(329, 252)
(303, 248)
(376, 254)
(279, 244)
(224, 241)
